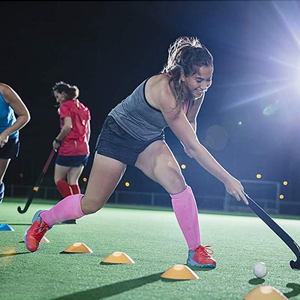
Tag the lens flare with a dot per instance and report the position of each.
(7, 256)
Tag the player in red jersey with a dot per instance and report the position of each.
(72, 140)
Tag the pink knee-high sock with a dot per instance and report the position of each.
(186, 211)
(67, 209)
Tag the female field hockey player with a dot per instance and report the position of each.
(10, 104)
(72, 142)
(133, 134)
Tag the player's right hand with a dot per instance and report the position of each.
(235, 188)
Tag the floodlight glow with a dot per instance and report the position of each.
(289, 14)
(297, 79)
(258, 96)
(286, 13)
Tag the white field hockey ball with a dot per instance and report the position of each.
(260, 269)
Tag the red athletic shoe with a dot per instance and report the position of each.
(200, 257)
(35, 233)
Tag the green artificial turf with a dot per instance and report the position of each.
(152, 238)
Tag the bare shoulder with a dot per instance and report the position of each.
(158, 92)
(4, 87)
(6, 90)
(8, 93)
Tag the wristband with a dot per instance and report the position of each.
(57, 141)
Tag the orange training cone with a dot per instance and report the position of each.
(180, 272)
(265, 292)
(78, 248)
(118, 258)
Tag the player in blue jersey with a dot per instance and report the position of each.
(10, 105)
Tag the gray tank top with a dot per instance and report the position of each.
(137, 117)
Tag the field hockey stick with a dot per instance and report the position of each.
(37, 184)
(278, 230)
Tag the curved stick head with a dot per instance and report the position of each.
(21, 211)
(295, 265)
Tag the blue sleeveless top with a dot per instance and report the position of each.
(7, 117)
(137, 117)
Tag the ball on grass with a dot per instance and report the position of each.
(260, 270)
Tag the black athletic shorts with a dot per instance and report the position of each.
(114, 142)
(72, 161)
(11, 149)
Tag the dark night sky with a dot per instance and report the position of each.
(108, 48)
